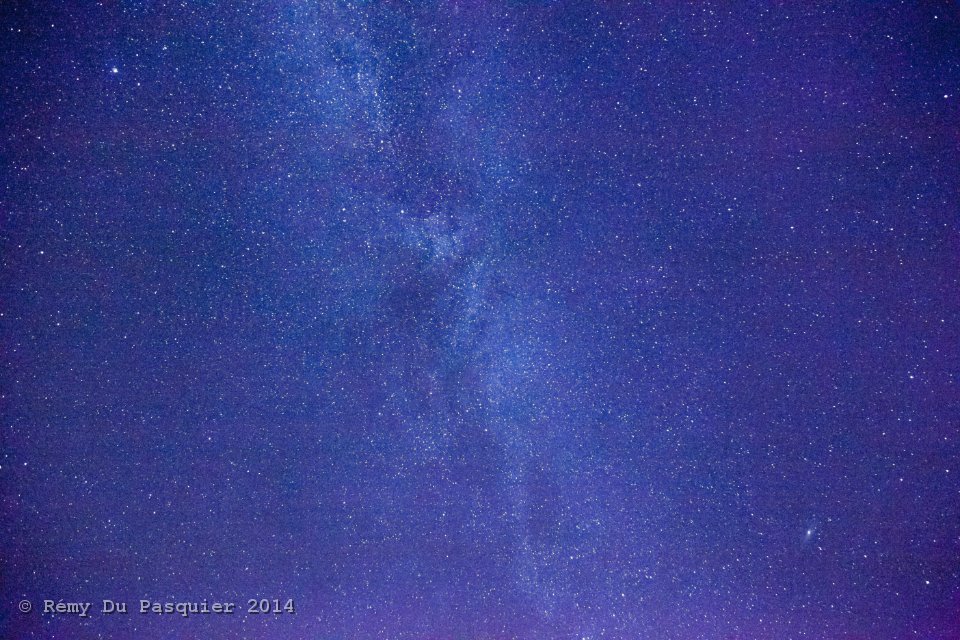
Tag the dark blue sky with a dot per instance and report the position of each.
(476, 320)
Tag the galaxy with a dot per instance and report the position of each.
(480, 320)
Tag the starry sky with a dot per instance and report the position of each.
(482, 319)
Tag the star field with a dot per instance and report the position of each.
(482, 320)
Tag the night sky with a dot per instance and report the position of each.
(482, 320)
